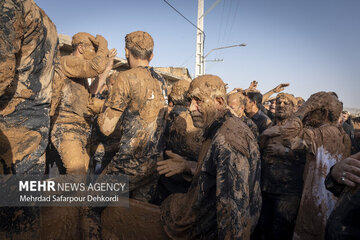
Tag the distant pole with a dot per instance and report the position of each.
(200, 65)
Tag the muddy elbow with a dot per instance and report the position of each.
(105, 130)
(102, 126)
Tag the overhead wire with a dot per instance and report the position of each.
(184, 17)
(220, 25)
(234, 18)
(187, 21)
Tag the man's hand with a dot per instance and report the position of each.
(253, 85)
(280, 87)
(95, 105)
(93, 40)
(175, 164)
(276, 149)
(272, 131)
(111, 56)
(112, 53)
(99, 41)
(347, 171)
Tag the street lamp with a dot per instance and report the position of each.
(214, 49)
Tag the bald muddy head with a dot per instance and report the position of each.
(285, 104)
(207, 94)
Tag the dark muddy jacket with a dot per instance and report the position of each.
(224, 199)
(261, 120)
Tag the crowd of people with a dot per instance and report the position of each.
(202, 163)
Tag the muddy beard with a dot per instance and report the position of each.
(282, 116)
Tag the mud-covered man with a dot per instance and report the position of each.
(224, 199)
(28, 47)
(236, 102)
(182, 138)
(71, 121)
(139, 100)
(325, 143)
(281, 173)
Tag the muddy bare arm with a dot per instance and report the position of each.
(98, 83)
(107, 120)
(277, 89)
(10, 42)
(115, 105)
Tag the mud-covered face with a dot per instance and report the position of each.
(235, 105)
(202, 110)
(89, 51)
(284, 108)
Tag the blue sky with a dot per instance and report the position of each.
(312, 44)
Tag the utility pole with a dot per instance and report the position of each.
(200, 65)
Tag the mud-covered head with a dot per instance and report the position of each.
(321, 108)
(178, 92)
(300, 101)
(236, 101)
(272, 107)
(86, 42)
(285, 104)
(207, 95)
(345, 115)
(140, 44)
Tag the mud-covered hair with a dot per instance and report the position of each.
(140, 44)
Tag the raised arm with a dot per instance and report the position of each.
(277, 89)
(98, 83)
(74, 67)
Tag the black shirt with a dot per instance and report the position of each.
(261, 120)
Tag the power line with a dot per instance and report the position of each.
(184, 17)
(220, 25)
(187, 60)
(233, 21)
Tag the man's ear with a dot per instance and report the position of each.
(219, 102)
(80, 48)
(127, 53)
(151, 57)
